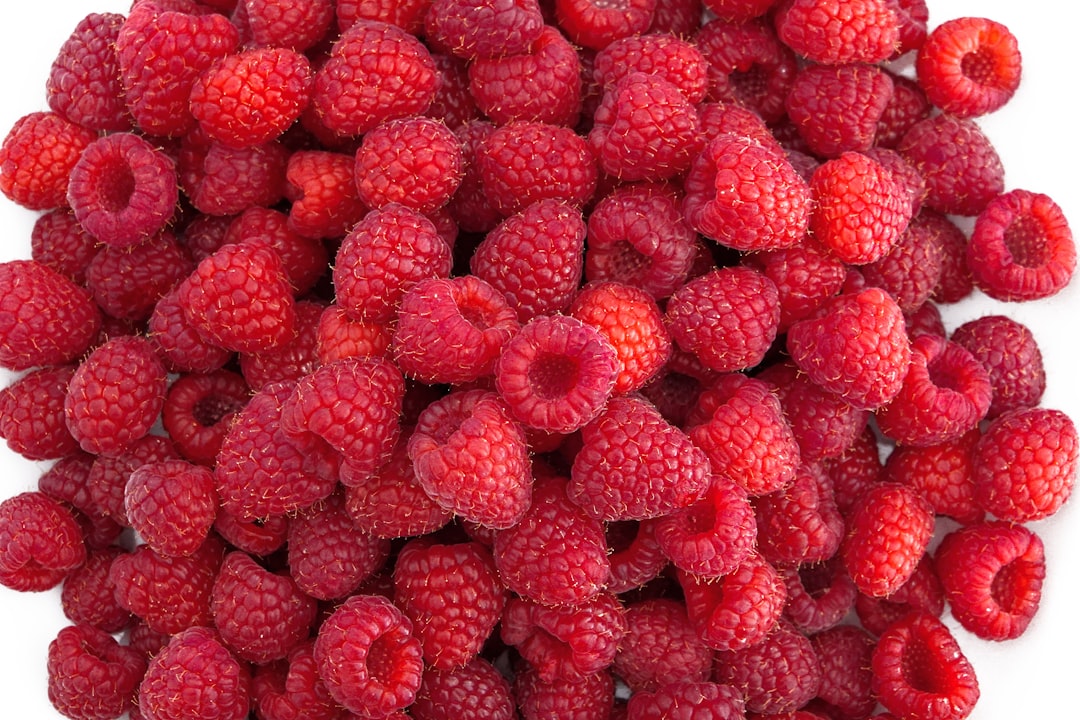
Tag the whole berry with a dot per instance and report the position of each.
(172, 505)
(36, 159)
(40, 542)
(176, 678)
(91, 675)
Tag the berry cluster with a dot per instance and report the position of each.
(477, 359)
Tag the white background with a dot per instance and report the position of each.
(1034, 676)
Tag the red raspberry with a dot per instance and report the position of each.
(453, 596)
(116, 395)
(634, 554)
(637, 236)
(477, 691)
(713, 536)
(888, 531)
(739, 10)
(480, 30)
(922, 592)
(941, 473)
(406, 14)
(291, 689)
(595, 25)
(37, 156)
(84, 80)
(556, 554)
(199, 409)
(88, 597)
(727, 318)
(1025, 464)
(912, 269)
(158, 72)
(127, 282)
(40, 542)
(590, 697)
(109, 474)
(837, 108)
(1011, 355)
(906, 107)
(177, 678)
(663, 54)
(779, 674)
(325, 202)
(684, 700)
(453, 104)
(178, 343)
(260, 537)
(556, 373)
(172, 505)
(830, 32)
(170, 594)
(294, 24)
(416, 162)
(846, 680)
(470, 206)
(855, 346)
(746, 195)
(368, 657)
(375, 72)
(261, 615)
(805, 277)
(291, 360)
(801, 523)
(919, 670)
(32, 414)
(819, 595)
(59, 241)
(1021, 247)
(854, 469)
(959, 164)
(339, 336)
(661, 647)
(969, 66)
(522, 162)
(91, 675)
(252, 97)
(222, 180)
(328, 556)
(737, 610)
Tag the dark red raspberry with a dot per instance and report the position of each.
(59, 241)
(969, 66)
(889, 529)
(37, 156)
(832, 33)
(325, 202)
(40, 542)
(375, 72)
(846, 679)
(172, 505)
(684, 700)
(88, 596)
(305, 258)
(176, 679)
(1021, 247)
(663, 54)
(487, 29)
(746, 195)
(291, 360)
(739, 10)
(109, 474)
(261, 615)
(368, 657)
(32, 414)
(157, 72)
(199, 409)
(416, 162)
(595, 25)
(178, 343)
(805, 277)
(1011, 355)
(661, 647)
(779, 674)
(127, 282)
(801, 523)
(91, 675)
(116, 395)
(291, 689)
(919, 670)
(453, 596)
(1025, 464)
(470, 206)
(912, 269)
(476, 691)
(223, 180)
(590, 697)
(854, 469)
(819, 595)
(84, 80)
(556, 554)
(838, 108)
(294, 24)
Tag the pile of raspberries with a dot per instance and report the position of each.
(538, 359)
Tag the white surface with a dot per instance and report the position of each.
(1034, 676)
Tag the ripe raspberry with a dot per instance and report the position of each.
(116, 395)
(368, 657)
(172, 505)
(1011, 355)
(416, 162)
(40, 542)
(199, 409)
(922, 592)
(261, 615)
(321, 188)
(109, 474)
(739, 10)
(801, 523)
(846, 679)
(713, 536)
(296, 24)
(683, 700)
(779, 674)
(854, 469)
(590, 697)
(595, 25)
(912, 269)
(1021, 247)
(919, 670)
(634, 554)
(88, 597)
(261, 537)
(84, 80)
(339, 336)
(291, 689)
(556, 373)
(888, 531)
(291, 360)
(481, 30)
(37, 156)
(855, 346)
(375, 72)
(837, 108)
(477, 691)
(32, 414)
(91, 675)
(222, 180)
(906, 107)
(746, 195)
(819, 595)
(177, 679)
(127, 282)
(805, 277)
(556, 554)
(941, 473)
(1025, 464)
(660, 647)
(328, 556)
(178, 343)
(969, 66)
(157, 71)
(522, 162)
(839, 32)
(662, 54)
(59, 241)
(453, 596)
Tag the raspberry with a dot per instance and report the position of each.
(91, 675)
(252, 97)
(296, 24)
(746, 195)
(37, 156)
(260, 615)
(32, 414)
(1025, 464)
(805, 277)
(854, 469)
(739, 10)
(368, 657)
(375, 72)
(660, 647)
(115, 396)
(261, 537)
(59, 241)
(305, 258)
(84, 80)
(453, 596)
(470, 207)
(477, 691)
(595, 25)
(556, 554)
(127, 282)
(846, 689)
(321, 188)
(416, 162)
(40, 542)
(47, 319)
(109, 474)
(291, 360)
(340, 336)
(635, 555)
(178, 343)
(88, 598)
(801, 523)
(907, 106)
(1011, 355)
(1021, 247)
(889, 529)
(291, 689)
(837, 108)
(855, 346)
(590, 697)
(222, 180)
(727, 318)
(819, 595)
(634, 465)
(941, 473)
(556, 373)
(831, 32)
(912, 269)
(481, 30)
(779, 674)
(686, 700)
(177, 678)
(969, 66)
(919, 670)
(663, 54)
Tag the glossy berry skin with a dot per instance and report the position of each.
(969, 66)
(713, 536)
(779, 674)
(414, 161)
(687, 700)
(291, 689)
(199, 410)
(838, 108)
(475, 691)
(833, 33)
(321, 188)
(1012, 358)
(84, 80)
(173, 687)
(596, 25)
(91, 675)
(32, 414)
(661, 646)
(298, 24)
(36, 159)
(481, 30)
(40, 542)
(172, 505)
